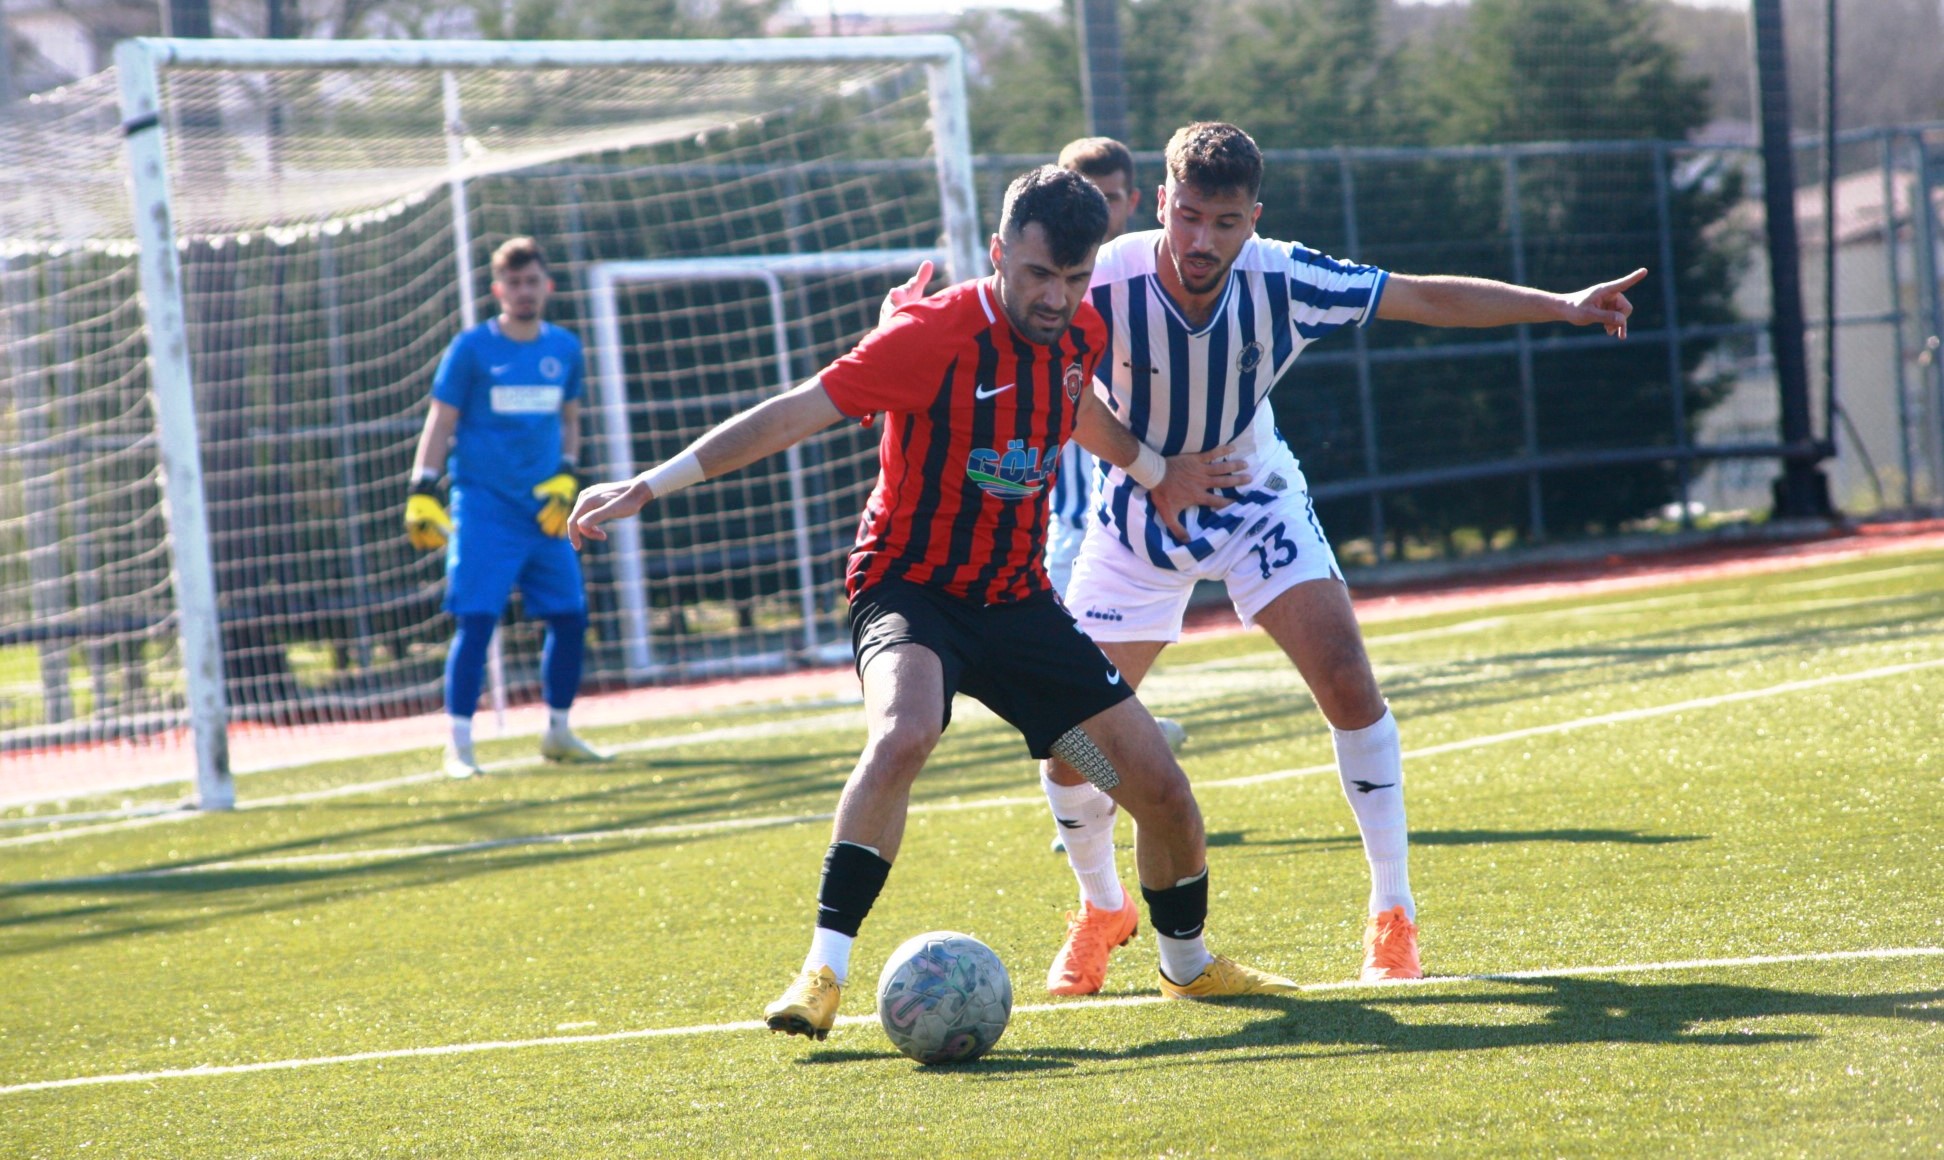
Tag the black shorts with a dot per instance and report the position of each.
(1026, 661)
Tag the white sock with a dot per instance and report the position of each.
(462, 736)
(1086, 819)
(829, 948)
(556, 720)
(1183, 959)
(1370, 764)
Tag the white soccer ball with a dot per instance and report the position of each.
(944, 997)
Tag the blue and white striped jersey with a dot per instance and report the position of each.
(1185, 390)
(1072, 499)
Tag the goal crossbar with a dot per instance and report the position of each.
(183, 52)
(142, 65)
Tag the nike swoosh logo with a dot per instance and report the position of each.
(1113, 675)
(1366, 786)
(1191, 932)
(982, 393)
(500, 370)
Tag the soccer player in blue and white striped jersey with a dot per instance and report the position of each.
(1203, 318)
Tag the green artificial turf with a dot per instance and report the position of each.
(1636, 780)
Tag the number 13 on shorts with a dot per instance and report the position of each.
(1274, 550)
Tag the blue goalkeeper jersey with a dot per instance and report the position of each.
(509, 396)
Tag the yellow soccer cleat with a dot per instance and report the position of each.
(1390, 948)
(557, 491)
(1225, 978)
(1092, 934)
(427, 525)
(809, 1007)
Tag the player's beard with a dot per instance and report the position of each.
(1207, 282)
(1037, 327)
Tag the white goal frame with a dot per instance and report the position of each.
(139, 64)
(617, 436)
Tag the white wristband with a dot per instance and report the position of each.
(682, 471)
(1148, 468)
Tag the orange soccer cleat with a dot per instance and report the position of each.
(1092, 934)
(1390, 948)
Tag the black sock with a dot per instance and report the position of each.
(1179, 911)
(852, 878)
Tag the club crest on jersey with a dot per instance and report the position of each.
(551, 368)
(1250, 358)
(1017, 473)
(1076, 377)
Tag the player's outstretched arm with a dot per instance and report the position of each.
(1174, 484)
(1449, 301)
(765, 429)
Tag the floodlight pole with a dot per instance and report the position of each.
(192, 569)
(1802, 490)
(1103, 87)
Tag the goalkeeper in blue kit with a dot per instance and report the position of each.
(505, 425)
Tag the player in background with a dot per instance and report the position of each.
(979, 386)
(505, 423)
(1204, 317)
(1107, 163)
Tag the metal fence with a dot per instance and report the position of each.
(1553, 431)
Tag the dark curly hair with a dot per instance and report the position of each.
(1215, 158)
(1066, 205)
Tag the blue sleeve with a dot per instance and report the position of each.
(1326, 293)
(452, 383)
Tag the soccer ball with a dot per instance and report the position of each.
(944, 997)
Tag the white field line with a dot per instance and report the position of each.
(634, 833)
(136, 817)
(1607, 719)
(147, 814)
(731, 1028)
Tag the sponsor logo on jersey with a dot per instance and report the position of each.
(1276, 482)
(1250, 358)
(551, 368)
(1018, 472)
(527, 400)
(1076, 377)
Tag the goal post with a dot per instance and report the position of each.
(605, 280)
(202, 479)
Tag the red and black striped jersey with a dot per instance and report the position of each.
(974, 419)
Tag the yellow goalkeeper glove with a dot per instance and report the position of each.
(558, 491)
(426, 523)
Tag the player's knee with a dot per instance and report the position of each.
(1346, 690)
(902, 745)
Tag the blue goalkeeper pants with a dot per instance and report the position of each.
(560, 661)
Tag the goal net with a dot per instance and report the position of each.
(200, 497)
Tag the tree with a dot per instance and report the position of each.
(1571, 70)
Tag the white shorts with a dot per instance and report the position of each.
(1062, 549)
(1117, 595)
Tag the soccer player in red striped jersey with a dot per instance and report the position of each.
(979, 386)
